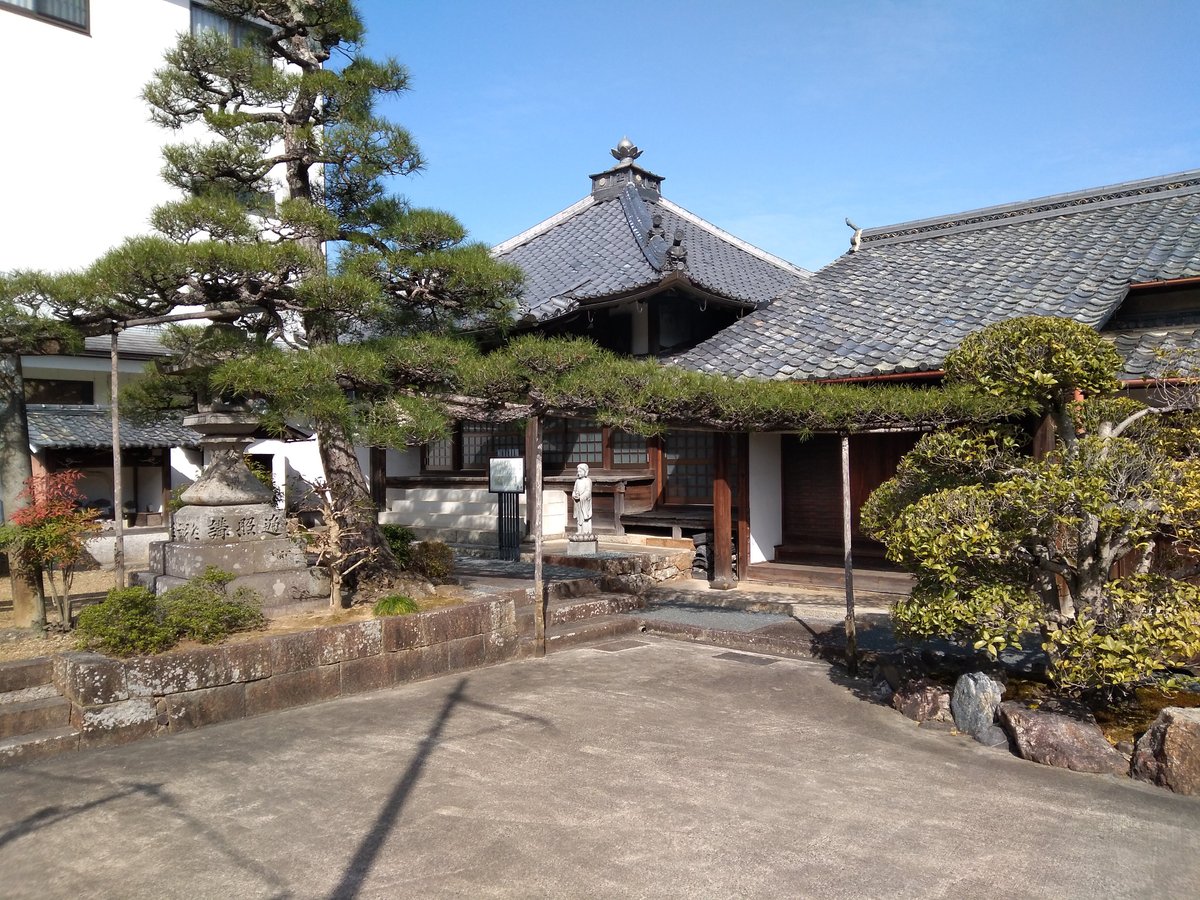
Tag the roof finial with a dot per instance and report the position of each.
(626, 150)
(856, 238)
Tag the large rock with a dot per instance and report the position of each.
(922, 699)
(1168, 754)
(974, 703)
(1056, 739)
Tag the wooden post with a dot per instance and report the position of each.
(743, 506)
(722, 517)
(533, 496)
(378, 464)
(118, 504)
(851, 629)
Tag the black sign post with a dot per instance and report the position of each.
(506, 479)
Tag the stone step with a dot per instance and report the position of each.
(589, 631)
(33, 715)
(37, 692)
(486, 538)
(578, 609)
(37, 745)
(24, 673)
(435, 494)
(592, 607)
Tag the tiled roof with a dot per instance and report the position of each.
(142, 341)
(912, 292)
(91, 426)
(606, 246)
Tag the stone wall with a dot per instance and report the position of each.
(115, 701)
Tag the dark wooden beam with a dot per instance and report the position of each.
(743, 506)
(722, 546)
(379, 477)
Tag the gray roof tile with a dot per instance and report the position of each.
(91, 426)
(913, 292)
(602, 247)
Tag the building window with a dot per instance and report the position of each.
(482, 440)
(628, 449)
(471, 445)
(689, 467)
(569, 442)
(239, 32)
(72, 13)
(439, 455)
(59, 391)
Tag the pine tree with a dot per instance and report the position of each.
(284, 160)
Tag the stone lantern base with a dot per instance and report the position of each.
(230, 523)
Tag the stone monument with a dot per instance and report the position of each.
(583, 541)
(230, 522)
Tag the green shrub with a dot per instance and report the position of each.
(133, 621)
(204, 611)
(432, 560)
(128, 622)
(399, 540)
(395, 605)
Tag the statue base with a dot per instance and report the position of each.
(581, 545)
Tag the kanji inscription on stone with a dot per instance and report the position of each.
(187, 531)
(217, 527)
(273, 523)
(247, 525)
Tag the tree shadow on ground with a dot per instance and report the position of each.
(359, 867)
(53, 815)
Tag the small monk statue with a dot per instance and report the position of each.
(582, 495)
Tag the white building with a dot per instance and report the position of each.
(82, 175)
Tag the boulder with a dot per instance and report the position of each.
(1168, 754)
(1055, 739)
(922, 699)
(975, 701)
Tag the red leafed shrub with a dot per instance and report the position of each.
(47, 535)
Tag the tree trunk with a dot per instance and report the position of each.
(351, 498)
(15, 471)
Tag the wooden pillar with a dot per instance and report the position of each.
(378, 465)
(848, 561)
(118, 504)
(743, 506)
(165, 485)
(533, 504)
(722, 545)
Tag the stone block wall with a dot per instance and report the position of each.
(116, 701)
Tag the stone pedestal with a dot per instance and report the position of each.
(230, 522)
(581, 544)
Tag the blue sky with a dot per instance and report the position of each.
(776, 120)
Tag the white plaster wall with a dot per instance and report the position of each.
(404, 462)
(82, 368)
(294, 462)
(185, 466)
(766, 496)
(83, 164)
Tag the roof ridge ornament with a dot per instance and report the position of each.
(625, 150)
(677, 253)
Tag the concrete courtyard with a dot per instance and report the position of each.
(662, 769)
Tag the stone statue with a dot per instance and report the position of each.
(582, 495)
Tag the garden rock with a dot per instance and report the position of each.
(922, 699)
(1065, 741)
(993, 736)
(881, 691)
(975, 701)
(1168, 754)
